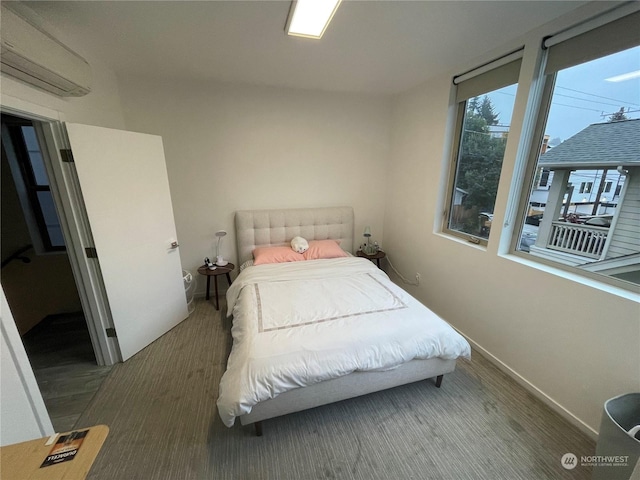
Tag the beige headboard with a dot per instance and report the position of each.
(263, 228)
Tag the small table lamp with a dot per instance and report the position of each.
(219, 260)
(368, 248)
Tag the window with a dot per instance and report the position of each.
(591, 114)
(23, 153)
(485, 104)
(544, 177)
(585, 187)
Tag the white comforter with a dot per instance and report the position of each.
(299, 323)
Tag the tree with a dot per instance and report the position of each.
(618, 116)
(487, 111)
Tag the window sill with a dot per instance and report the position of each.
(462, 241)
(523, 259)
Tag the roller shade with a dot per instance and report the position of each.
(490, 80)
(615, 36)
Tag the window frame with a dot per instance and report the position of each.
(545, 88)
(451, 182)
(586, 187)
(489, 68)
(28, 189)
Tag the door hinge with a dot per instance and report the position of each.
(91, 252)
(67, 155)
(111, 332)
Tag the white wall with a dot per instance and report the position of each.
(572, 344)
(100, 107)
(231, 147)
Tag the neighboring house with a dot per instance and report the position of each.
(459, 196)
(582, 193)
(597, 150)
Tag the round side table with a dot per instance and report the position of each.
(204, 270)
(376, 256)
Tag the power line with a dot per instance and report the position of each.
(575, 106)
(599, 96)
(621, 102)
(479, 133)
(590, 101)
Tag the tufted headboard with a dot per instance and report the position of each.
(263, 228)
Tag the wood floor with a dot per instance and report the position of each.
(64, 365)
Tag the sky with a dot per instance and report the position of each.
(583, 96)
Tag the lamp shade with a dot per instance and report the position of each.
(367, 232)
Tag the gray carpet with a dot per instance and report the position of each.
(160, 408)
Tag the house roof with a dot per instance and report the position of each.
(603, 145)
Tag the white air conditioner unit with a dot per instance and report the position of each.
(35, 57)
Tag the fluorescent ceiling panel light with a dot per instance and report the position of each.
(624, 76)
(310, 18)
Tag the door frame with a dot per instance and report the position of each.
(74, 221)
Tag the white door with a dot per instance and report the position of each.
(123, 177)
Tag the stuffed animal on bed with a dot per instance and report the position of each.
(299, 244)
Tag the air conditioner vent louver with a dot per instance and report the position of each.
(35, 57)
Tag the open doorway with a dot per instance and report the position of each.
(38, 280)
(124, 255)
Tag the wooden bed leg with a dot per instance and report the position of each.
(258, 426)
(439, 380)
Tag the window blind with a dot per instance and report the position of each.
(487, 78)
(615, 36)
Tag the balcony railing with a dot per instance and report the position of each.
(578, 239)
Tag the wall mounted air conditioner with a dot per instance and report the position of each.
(33, 56)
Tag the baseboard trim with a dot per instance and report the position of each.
(530, 387)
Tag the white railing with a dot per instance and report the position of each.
(578, 239)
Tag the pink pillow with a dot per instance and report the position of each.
(324, 249)
(262, 255)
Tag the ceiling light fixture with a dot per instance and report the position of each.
(624, 76)
(310, 18)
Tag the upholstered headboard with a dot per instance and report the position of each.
(263, 228)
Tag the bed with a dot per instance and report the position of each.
(293, 349)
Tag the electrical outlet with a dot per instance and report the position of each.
(418, 276)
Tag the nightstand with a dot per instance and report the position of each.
(204, 270)
(376, 256)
